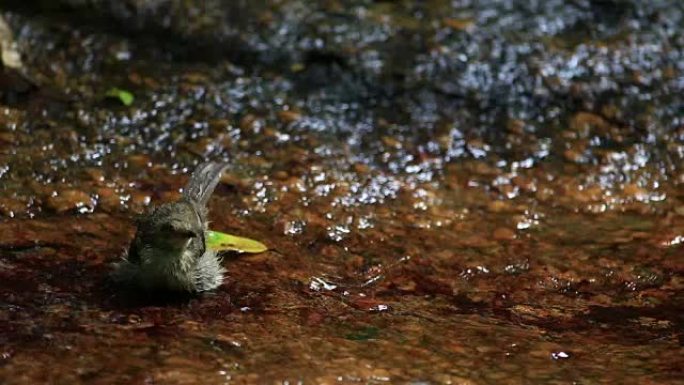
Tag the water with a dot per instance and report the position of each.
(453, 192)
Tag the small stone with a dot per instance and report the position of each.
(281, 175)
(234, 181)
(361, 168)
(459, 24)
(95, 174)
(380, 374)
(679, 210)
(515, 126)
(169, 195)
(572, 155)
(483, 169)
(288, 116)
(70, 200)
(544, 194)
(195, 78)
(138, 162)
(586, 194)
(524, 183)
(634, 191)
(408, 286)
(503, 234)
(7, 138)
(391, 142)
(108, 199)
(219, 125)
(506, 190)
(584, 122)
(140, 200)
(11, 207)
(327, 380)
(498, 206)
(248, 122)
(354, 262)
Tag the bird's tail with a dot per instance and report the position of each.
(203, 181)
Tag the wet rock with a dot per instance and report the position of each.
(635, 192)
(574, 155)
(139, 161)
(391, 142)
(12, 207)
(679, 210)
(524, 183)
(361, 168)
(544, 194)
(139, 200)
(516, 126)
(7, 138)
(585, 194)
(483, 169)
(459, 24)
(96, 175)
(584, 123)
(249, 123)
(503, 234)
(281, 175)
(108, 199)
(235, 181)
(288, 116)
(68, 200)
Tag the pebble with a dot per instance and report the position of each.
(503, 234)
(68, 200)
(248, 122)
(108, 199)
(634, 191)
(138, 162)
(95, 174)
(585, 121)
(11, 207)
(281, 175)
(515, 126)
(459, 24)
(140, 200)
(497, 206)
(524, 183)
(288, 116)
(7, 138)
(573, 155)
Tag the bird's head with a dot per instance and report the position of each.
(173, 224)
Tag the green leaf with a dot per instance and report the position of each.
(227, 242)
(125, 97)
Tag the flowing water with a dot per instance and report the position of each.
(453, 192)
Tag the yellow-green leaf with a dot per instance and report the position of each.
(125, 97)
(227, 242)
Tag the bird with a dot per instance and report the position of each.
(169, 251)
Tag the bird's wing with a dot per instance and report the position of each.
(132, 256)
(203, 181)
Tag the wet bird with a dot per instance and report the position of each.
(169, 251)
